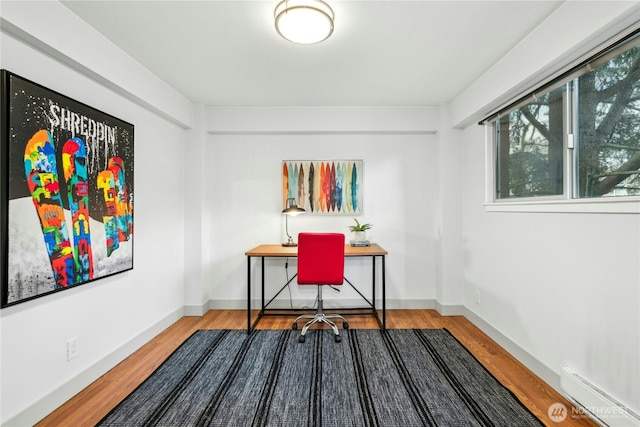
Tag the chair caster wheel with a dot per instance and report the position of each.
(301, 338)
(345, 325)
(295, 326)
(338, 338)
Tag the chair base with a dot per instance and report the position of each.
(320, 317)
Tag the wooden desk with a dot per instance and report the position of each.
(278, 251)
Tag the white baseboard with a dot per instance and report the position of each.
(196, 310)
(540, 369)
(229, 304)
(547, 374)
(394, 304)
(53, 400)
(449, 310)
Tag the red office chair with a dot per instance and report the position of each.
(321, 263)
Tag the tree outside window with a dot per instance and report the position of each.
(530, 160)
(609, 128)
(531, 141)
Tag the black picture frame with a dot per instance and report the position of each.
(66, 192)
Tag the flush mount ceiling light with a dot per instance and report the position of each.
(304, 21)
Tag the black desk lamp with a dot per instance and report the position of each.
(292, 210)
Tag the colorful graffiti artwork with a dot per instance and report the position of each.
(66, 191)
(42, 179)
(117, 221)
(72, 266)
(74, 166)
(323, 187)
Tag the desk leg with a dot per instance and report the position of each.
(252, 326)
(262, 296)
(248, 295)
(373, 285)
(384, 296)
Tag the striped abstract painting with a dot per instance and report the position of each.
(323, 186)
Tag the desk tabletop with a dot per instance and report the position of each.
(277, 250)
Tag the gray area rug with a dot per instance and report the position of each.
(404, 377)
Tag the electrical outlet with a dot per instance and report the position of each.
(72, 348)
(477, 295)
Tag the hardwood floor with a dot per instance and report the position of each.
(91, 404)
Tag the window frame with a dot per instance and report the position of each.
(569, 200)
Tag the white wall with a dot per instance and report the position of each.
(447, 203)
(564, 288)
(244, 195)
(110, 317)
(196, 218)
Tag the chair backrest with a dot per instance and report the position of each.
(320, 258)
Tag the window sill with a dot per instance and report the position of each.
(630, 205)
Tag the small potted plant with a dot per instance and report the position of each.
(360, 230)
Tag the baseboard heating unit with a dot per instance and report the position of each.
(595, 403)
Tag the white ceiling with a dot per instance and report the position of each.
(382, 53)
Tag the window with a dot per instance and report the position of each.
(578, 138)
(608, 128)
(530, 146)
